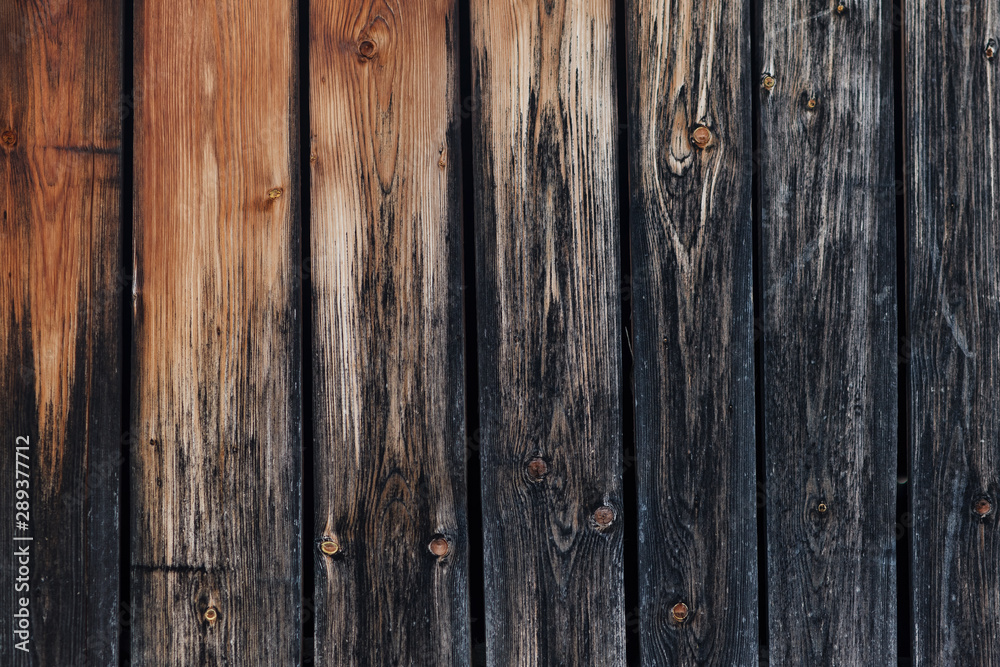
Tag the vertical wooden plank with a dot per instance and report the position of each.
(60, 160)
(216, 399)
(828, 251)
(388, 335)
(690, 174)
(547, 261)
(952, 129)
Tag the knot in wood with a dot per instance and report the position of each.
(701, 137)
(211, 614)
(9, 137)
(982, 507)
(767, 82)
(367, 49)
(679, 612)
(439, 547)
(537, 468)
(603, 516)
(329, 547)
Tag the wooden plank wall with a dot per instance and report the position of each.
(547, 253)
(760, 160)
(390, 517)
(690, 131)
(829, 333)
(953, 124)
(216, 512)
(60, 166)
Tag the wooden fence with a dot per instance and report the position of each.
(500, 332)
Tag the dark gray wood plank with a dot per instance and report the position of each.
(390, 527)
(216, 509)
(690, 128)
(830, 403)
(952, 128)
(545, 128)
(60, 235)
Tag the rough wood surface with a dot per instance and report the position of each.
(216, 399)
(693, 331)
(545, 126)
(387, 334)
(953, 126)
(60, 166)
(828, 250)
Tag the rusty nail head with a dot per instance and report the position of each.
(9, 137)
(679, 612)
(702, 136)
(439, 547)
(537, 468)
(211, 614)
(329, 547)
(367, 48)
(982, 507)
(603, 516)
(767, 82)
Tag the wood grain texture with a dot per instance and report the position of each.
(952, 134)
(545, 126)
(688, 68)
(60, 165)
(216, 398)
(388, 333)
(828, 251)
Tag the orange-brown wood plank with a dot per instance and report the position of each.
(60, 230)
(216, 397)
(387, 334)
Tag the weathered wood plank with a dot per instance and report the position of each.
(952, 124)
(690, 130)
(216, 399)
(828, 253)
(388, 335)
(548, 299)
(60, 164)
